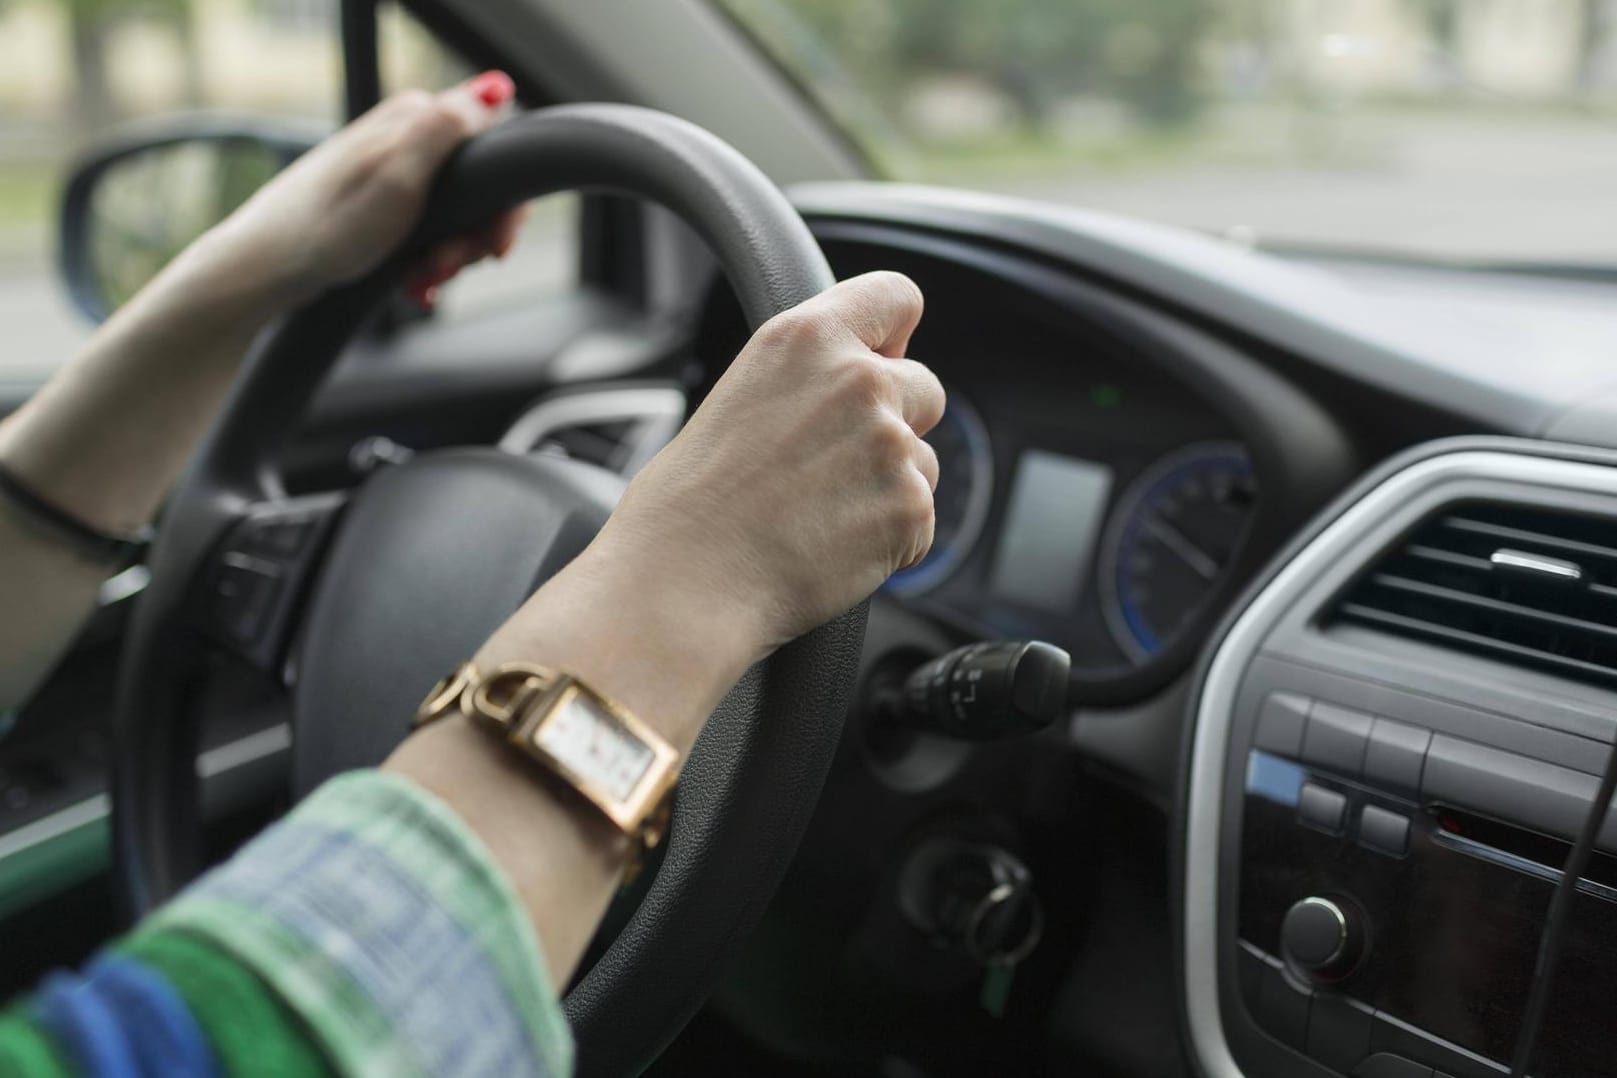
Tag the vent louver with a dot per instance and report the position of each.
(605, 444)
(1532, 587)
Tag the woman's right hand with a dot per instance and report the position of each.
(801, 483)
(796, 489)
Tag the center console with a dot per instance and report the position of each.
(1396, 742)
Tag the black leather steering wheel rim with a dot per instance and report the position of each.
(749, 787)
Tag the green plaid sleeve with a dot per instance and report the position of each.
(388, 930)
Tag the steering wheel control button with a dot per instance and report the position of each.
(244, 595)
(1336, 738)
(1322, 808)
(1387, 1065)
(1395, 756)
(1384, 831)
(1281, 723)
(286, 537)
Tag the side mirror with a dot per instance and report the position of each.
(134, 203)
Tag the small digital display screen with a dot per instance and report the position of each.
(1051, 526)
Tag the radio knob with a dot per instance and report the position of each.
(1322, 937)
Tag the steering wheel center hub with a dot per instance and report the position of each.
(430, 557)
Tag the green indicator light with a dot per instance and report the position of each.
(1106, 395)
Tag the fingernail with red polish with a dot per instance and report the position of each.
(493, 88)
(423, 293)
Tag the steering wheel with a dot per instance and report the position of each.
(358, 603)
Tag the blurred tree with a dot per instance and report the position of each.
(1595, 25)
(1154, 55)
(91, 24)
(1441, 21)
(1036, 52)
(1146, 53)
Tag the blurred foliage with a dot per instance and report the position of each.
(1144, 53)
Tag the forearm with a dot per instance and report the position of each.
(638, 643)
(105, 438)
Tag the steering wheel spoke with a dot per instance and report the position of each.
(252, 589)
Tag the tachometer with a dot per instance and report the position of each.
(965, 488)
(1174, 530)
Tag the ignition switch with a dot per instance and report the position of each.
(977, 900)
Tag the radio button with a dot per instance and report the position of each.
(1322, 808)
(1323, 939)
(1314, 934)
(1383, 831)
(1387, 1065)
(1339, 1031)
(1396, 754)
(1283, 1008)
(1336, 738)
(1281, 723)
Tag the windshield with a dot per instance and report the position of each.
(1476, 130)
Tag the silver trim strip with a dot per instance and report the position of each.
(1215, 712)
(659, 410)
(50, 828)
(125, 585)
(244, 751)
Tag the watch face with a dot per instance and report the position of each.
(587, 740)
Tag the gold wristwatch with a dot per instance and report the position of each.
(590, 742)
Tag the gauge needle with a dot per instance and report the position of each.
(1174, 539)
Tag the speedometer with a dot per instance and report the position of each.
(1175, 529)
(965, 488)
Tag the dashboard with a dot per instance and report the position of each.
(1189, 466)
(1128, 496)
(1086, 497)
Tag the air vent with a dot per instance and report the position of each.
(606, 444)
(618, 428)
(1532, 587)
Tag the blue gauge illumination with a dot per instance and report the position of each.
(1173, 533)
(965, 488)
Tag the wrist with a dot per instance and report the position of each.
(633, 634)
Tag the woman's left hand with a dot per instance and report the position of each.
(343, 207)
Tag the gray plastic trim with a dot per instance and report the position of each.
(682, 56)
(1449, 475)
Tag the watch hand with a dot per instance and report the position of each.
(1175, 540)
